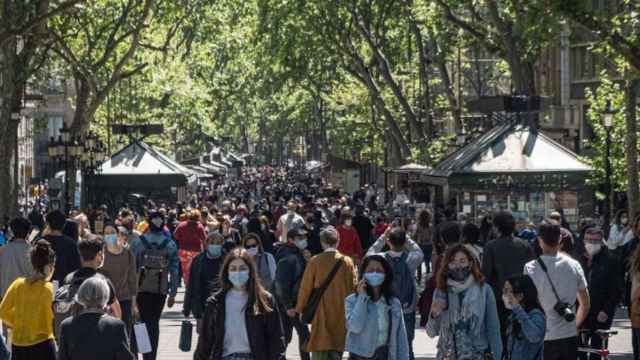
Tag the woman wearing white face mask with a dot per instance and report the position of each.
(620, 232)
(241, 321)
(264, 261)
(120, 267)
(375, 323)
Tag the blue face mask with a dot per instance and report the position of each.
(239, 278)
(374, 278)
(111, 239)
(214, 250)
(301, 244)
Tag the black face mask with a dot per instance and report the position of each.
(459, 273)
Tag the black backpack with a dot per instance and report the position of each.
(64, 303)
(404, 284)
(154, 274)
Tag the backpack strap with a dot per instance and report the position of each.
(145, 242)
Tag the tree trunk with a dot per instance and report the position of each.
(8, 128)
(631, 143)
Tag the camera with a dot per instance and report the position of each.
(564, 310)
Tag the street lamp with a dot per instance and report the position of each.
(85, 153)
(607, 122)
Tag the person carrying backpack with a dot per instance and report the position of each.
(404, 256)
(157, 259)
(91, 259)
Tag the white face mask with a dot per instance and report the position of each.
(507, 303)
(592, 249)
(348, 222)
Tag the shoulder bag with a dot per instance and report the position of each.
(311, 306)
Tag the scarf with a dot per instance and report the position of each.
(465, 317)
(457, 287)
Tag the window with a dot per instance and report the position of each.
(54, 125)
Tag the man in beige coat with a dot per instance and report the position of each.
(328, 328)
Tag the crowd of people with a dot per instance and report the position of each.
(276, 251)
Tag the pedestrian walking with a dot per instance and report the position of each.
(349, 244)
(27, 310)
(120, 268)
(375, 323)
(423, 236)
(91, 333)
(67, 257)
(503, 258)
(464, 313)
(289, 221)
(560, 282)
(292, 258)
(157, 261)
(404, 256)
(327, 340)
(620, 232)
(190, 237)
(241, 321)
(527, 324)
(204, 279)
(605, 282)
(265, 262)
(14, 256)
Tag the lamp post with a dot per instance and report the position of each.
(84, 153)
(607, 122)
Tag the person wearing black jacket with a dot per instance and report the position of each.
(364, 227)
(204, 279)
(91, 334)
(67, 256)
(241, 321)
(604, 279)
(291, 260)
(503, 258)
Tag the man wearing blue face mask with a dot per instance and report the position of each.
(157, 260)
(203, 279)
(291, 259)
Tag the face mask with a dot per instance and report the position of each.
(347, 223)
(238, 278)
(111, 239)
(507, 303)
(214, 250)
(374, 278)
(459, 273)
(158, 222)
(593, 249)
(624, 221)
(263, 227)
(291, 212)
(301, 244)
(253, 251)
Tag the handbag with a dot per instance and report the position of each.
(311, 306)
(186, 332)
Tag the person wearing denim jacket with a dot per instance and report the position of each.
(375, 323)
(527, 322)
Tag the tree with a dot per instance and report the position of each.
(23, 47)
(615, 31)
(515, 30)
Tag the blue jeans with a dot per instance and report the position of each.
(410, 325)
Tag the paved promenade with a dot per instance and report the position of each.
(424, 346)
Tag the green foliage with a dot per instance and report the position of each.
(607, 90)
